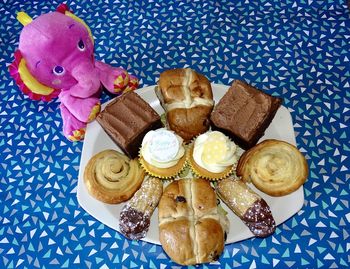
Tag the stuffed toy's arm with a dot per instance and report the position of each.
(76, 113)
(116, 80)
(83, 109)
(73, 129)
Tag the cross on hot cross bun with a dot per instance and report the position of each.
(187, 99)
(191, 229)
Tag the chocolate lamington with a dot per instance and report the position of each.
(127, 119)
(244, 113)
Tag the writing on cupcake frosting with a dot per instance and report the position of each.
(162, 148)
(214, 151)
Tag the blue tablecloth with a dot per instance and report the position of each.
(298, 50)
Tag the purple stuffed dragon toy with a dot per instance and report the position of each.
(55, 58)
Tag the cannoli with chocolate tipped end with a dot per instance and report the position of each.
(248, 206)
(136, 214)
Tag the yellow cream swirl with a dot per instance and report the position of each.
(162, 148)
(214, 151)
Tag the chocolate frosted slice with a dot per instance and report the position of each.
(244, 113)
(259, 219)
(127, 119)
(133, 223)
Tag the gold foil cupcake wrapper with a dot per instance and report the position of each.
(163, 173)
(202, 172)
(186, 171)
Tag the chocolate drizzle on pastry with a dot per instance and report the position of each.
(259, 219)
(248, 206)
(136, 214)
(133, 223)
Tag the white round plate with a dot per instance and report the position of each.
(97, 140)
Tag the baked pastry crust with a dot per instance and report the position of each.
(247, 205)
(187, 98)
(274, 167)
(176, 240)
(189, 227)
(135, 216)
(112, 177)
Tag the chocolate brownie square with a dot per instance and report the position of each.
(127, 119)
(244, 113)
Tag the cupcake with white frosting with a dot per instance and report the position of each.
(162, 153)
(212, 155)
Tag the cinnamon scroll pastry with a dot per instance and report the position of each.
(274, 167)
(112, 177)
(135, 216)
(187, 99)
(247, 205)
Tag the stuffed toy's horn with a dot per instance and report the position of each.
(24, 18)
(28, 84)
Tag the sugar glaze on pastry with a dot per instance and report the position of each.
(135, 217)
(112, 177)
(274, 167)
(247, 205)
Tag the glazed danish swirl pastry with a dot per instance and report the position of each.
(248, 206)
(274, 167)
(112, 177)
(135, 216)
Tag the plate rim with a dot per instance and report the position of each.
(246, 235)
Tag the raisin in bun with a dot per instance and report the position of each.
(190, 228)
(187, 99)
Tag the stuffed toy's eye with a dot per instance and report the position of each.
(59, 70)
(81, 45)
